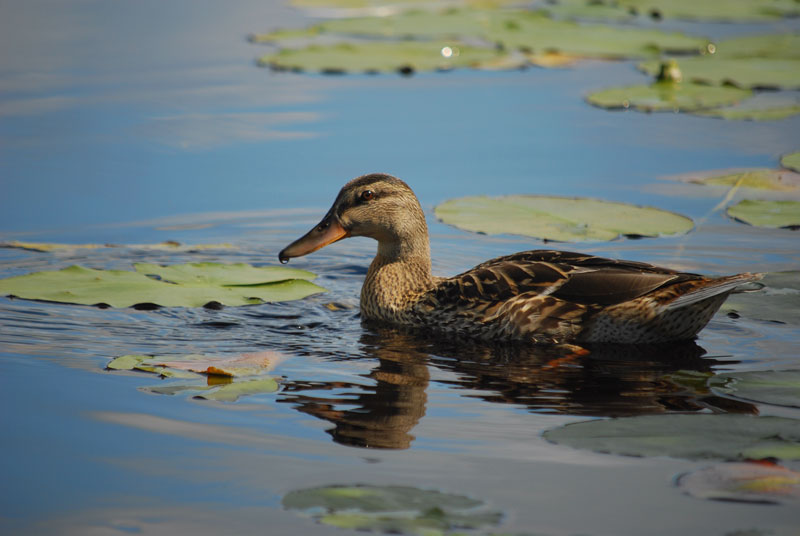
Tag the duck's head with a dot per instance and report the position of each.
(378, 206)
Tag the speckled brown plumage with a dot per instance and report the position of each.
(539, 296)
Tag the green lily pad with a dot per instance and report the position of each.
(776, 46)
(227, 392)
(718, 10)
(250, 364)
(191, 367)
(403, 56)
(725, 437)
(772, 73)
(163, 246)
(743, 482)
(563, 219)
(762, 107)
(528, 30)
(198, 284)
(778, 301)
(791, 161)
(391, 509)
(778, 387)
(668, 96)
(779, 180)
(773, 214)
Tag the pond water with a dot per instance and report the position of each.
(139, 122)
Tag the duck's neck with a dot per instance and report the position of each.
(400, 272)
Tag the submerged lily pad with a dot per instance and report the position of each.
(778, 301)
(563, 219)
(668, 96)
(791, 161)
(778, 387)
(391, 509)
(772, 73)
(774, 214)
(725, 437)
(198, 284)
(743, 482)
(403, 56)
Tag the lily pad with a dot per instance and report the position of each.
(773, 214)
(563, 219)
(527, 30)
(779, 180)
(250, 364)
(725, 437)
(225, 392)
(718, 10)
(791, 161)
(763, 107)
(402, 56)
(778, 387)
(778, 301)
(391, 509)
(163, 246)
(743, 482)
(778, 45)
(198, 284)
(770, 73)
(668, 96)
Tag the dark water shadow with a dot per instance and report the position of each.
(607, 380)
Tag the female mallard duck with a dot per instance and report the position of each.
(539, 296)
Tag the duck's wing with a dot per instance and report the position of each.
(562, 275)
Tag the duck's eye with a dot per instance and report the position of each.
(366, 195)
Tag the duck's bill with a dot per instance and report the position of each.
(327, 232)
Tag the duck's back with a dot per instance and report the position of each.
(546, 296)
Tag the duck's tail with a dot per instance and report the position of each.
(713, 288)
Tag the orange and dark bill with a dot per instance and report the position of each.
(327, 232)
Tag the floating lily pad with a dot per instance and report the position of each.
(528, 30)
(718, 10)
(779, 180)
(778, 45)
(739, 72)
(743, 482)
(391, 509)
(778, 387)
(403, 56)
(778, 301)
(198, 284)
(774, 214)
(563, 219)
(163, 246)
(725, 437)
(763, 107)
(193, 367)
(668, 96)
(250, 364)
(225, 392)
(791, 161)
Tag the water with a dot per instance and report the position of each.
(143, 122)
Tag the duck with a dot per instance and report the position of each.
(537, 296)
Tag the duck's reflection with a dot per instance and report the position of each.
(598, 381)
